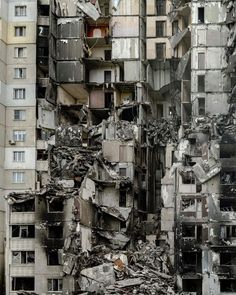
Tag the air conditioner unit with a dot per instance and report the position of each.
(12, 142)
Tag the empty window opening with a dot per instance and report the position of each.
(192, 285)
(161, 7)
(228, 204)
(55, 205)
(107, 54)
(160, 111)
(122, 199)
(188, 231)
(175, 27)
(201, 60)
(27, 206)
(23, 257)
(108, 99)
(122, 172)
(228, 286)
(122, 224)
(160, 51)
(201, 83)
(201, 15)
(191, 261)
(201, 106)
(43, 10)
(160, 29)
(23, 283)
(107, 76)
(228, 258)
(227, 178)
(227, 151)
(23, 231)
(53, 257)
(188, 177)
(42, 155)
(41, 92)
(55, 231)
(54, 285)
(129, 114)
(98, 116)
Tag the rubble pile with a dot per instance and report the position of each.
(160, 132)
(142, 270)
(66, 162)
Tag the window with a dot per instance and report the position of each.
(107, 54)
(23, 257)
(43, 10)
(27, 206)
(201, 106)
(19, 135)
(19, 114)
(161, 7)
(122, 199)
(201, 15)
(53, 257)
(160, 50)
(108, 99)
(18, 177)
(54, 285)
(55, 232)
(20, 10)
(55, 205)
(175, 27)
(228, 285)
(201, 83)
(19, 93)
(20, 52)
(23, 283)
(160, 29)
(18, 156)
(107, 76)
(20, 31)
(201, 60)
(122, 172)
(23, 231)
(20, 73)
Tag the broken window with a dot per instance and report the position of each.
(23, 231)
(201, 106)
(201, 60)
(43, 31)
(227, 231)
(55, 231)
(54, 285)
(107, 76)
(201, 15)
(160, 50)
(122, 198)
(55, 205)
(27, 206)
(53, 257)
(43, 10)
(23, 283)
(23, 257)
(42, 155)
(192, 285)
(201, 83)
(227, 178)
(189, 260)
(160, 29)
(129, 113)
(228, 285)
(161, 7)
(107, 54)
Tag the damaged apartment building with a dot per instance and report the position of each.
(118, 147)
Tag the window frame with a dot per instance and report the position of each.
(20, 31)
(17, 51)
(59, 284)
(19, 93)
(22, 10)
(19, 156)
(27, 253)
(21, 117)
(19, 73)
(19, 135)
(21, 177)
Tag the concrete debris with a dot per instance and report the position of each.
(204, 172)
(88, 8)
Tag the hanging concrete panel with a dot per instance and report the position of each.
(213, 78)
(215, 37)
(70, 28)
(70, 72)
(125, 26)
(125, 48)
(46, 118)
(215, 58)
(124, 7)
(132, 70)
(69, 49)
